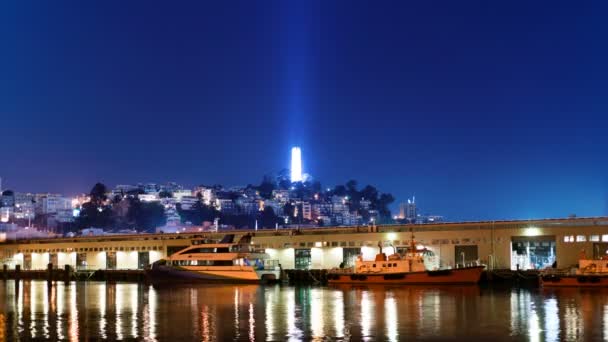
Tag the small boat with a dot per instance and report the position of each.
(396, 269)
(213, 262)
(589, 273)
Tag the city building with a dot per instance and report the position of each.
(123, 189)
(51, 203)
(7, 199)
(307, 211)
(225, 206)
(179, 194)
(207, 193)
(149, 197)
(150, 188)
(408, 210)
(187, 202)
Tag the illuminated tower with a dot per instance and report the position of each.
(296, 164)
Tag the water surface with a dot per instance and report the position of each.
(126, 311)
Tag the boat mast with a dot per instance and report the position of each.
(412, 242)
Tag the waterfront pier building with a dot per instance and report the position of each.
(521, 244)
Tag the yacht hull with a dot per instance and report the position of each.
(468, 275)
(164, 274)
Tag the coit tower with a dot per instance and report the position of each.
(296, 164)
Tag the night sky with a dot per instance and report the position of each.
(481, 109)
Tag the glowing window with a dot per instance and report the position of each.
(568, 238)
(594, 238)
(581, 238)
(605, 238)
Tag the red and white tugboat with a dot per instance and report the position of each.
(396, 269)
(590, 273)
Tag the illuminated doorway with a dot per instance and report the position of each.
(349, 256)
(302, 259)
(532, 252)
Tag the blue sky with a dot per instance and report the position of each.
(483, 110)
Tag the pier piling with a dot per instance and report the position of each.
(49, 272)
(67, 273)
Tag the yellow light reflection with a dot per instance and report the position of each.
(339, 313)
(2, 327)
(367, 309)
(294, 333)
(73, 328)
(45, 307)
(205, 324)
(19, 306)
(270, 312)
(152, 312)
(60, 308)
(251, 323)
(605, 321)
(236, 313)
(551, 320)
(316, 316)
(102, 311)
(133, 294)
(533, 326)
(33, 295)
(117, 310)
(574, 323)
(390, 317)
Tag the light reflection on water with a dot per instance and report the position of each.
(77, 311)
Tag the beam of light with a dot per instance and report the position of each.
(296, 164)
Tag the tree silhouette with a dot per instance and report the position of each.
(268, 219)
(266, 187)
(98, 193)
(96, 213)
(145, 216)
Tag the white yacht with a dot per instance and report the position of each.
(214, 262)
